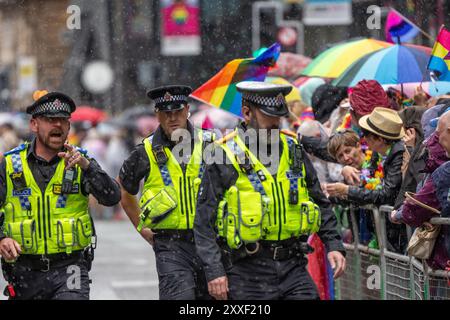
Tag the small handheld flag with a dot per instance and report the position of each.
(399, 29)
(439, 63)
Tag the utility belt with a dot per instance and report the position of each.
(275, 250)
(186, 235)
(45, 262)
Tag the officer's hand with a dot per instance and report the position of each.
(337, 262)
(351, 175)
(72, 157)
(9, 249)
(218, 288)
(148, 235)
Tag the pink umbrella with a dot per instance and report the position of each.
(289, 65)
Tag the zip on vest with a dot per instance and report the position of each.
(43, 222)
(185, 196)
(190, 190)
(279, 207)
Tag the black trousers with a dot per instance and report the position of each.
(262, 278)
(180, 271)
(65, 282)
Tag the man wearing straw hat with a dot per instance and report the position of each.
(383, 131)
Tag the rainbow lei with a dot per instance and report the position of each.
(372, 181)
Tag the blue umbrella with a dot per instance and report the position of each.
(394, 65)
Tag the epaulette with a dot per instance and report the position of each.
(289, 133)
(226, 138)
(149, 137)
(208, 136)
(22, 147)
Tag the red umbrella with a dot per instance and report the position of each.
(87, 113)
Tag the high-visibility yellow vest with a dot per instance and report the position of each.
(44, 222)
(262, 207)
(169, 194)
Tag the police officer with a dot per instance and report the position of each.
(46, 234)
(262, 217)
(172, 169)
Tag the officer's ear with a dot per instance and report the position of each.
(34, 125)
(246, 113)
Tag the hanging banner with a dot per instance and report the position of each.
(327, 12)
(180, 28)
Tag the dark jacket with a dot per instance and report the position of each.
(391, 182)
(217, 180)
(435, 194)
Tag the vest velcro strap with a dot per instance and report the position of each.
(66, 234)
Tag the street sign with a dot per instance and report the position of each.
(180, 28)
(289, 33)
(327, 12)
(97, 77)
(287, 36)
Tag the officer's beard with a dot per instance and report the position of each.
(263, 135)
(265, 144)
(54, 140)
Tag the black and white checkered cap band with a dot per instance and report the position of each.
(174, 98)
(264, 101)
(52, 107)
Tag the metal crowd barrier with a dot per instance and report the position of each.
(379, 274)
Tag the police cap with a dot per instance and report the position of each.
(270, 98)
(170, 98)
(51, 105)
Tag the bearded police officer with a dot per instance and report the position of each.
(165, 213)
(47, 233)
(253, 218)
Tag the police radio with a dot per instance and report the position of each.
(68, 178)
(160, 154)
(297, 159)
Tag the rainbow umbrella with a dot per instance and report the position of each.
(394, 65)
(334, 61)
(432, 88)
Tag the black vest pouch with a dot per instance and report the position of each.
(18, 180)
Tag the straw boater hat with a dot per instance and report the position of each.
(383, 122)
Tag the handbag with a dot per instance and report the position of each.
(424, 237)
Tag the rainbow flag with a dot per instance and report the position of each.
(398, 28)
(440, 56)
(220, 91)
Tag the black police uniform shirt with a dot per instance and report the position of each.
(220, 177)
(137, 166)
(94, 180)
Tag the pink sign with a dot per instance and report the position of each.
(180, 17)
